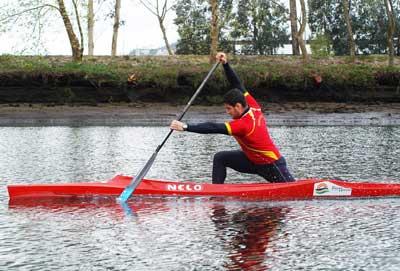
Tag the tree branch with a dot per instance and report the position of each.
(164, 9)
(171, 6)
(148, 6)
(28, 10)
(78, 22)
(280, 5)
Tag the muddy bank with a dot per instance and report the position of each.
(72, 89)
(99, 80)
(156, 114)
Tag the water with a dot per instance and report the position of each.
(199, 233)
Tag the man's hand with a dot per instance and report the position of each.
(221, 57)
(178, 126)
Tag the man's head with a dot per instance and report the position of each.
(235, 103)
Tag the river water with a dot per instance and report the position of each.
(196, 233)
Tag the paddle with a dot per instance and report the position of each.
(126, 194)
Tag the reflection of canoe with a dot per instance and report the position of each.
(302, 189)
(104, 205)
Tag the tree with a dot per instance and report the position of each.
(368, 23)
(293, 27)
(300, 34)
(370, 26)
(193, 21)
(214, 29)
(116, 24)
(160, 9)
(90, 27)
(260, 25)
(326, 18)
(76, 46)
(35, 11)
(391, 29)
(320, 45)
(396, 12)
(193, 27)
(352, 46)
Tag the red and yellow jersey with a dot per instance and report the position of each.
(251, 132)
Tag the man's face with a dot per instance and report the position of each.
(234, 111)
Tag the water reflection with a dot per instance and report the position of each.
(247, 233)
(108, 205)
(245, 229)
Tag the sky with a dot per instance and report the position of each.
(141, 30)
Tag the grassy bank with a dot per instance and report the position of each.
(56, 79)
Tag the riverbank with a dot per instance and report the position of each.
(160, 114)
(55, 80)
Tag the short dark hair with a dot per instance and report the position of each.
(234, 96)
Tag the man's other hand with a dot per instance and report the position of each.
(177, 125)
(221, 57)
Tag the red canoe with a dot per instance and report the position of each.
(301, 189)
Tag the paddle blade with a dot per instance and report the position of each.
(128, 191)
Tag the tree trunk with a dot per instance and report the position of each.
(352, 46)
(293, 27)
(214, 30)
(169, 49)
(78, 21)
(90, 22)
(391, 29)
(398, 43)
(115, 28)
(255, 38)
(300, 34)
(75, 46)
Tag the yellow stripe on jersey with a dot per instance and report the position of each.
(228, 127)
(254, 122)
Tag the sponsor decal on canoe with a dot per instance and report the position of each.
(184, 187)
(330, 189)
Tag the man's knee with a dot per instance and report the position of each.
(220, 157)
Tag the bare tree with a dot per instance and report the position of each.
(391, 29)
(293, 26)
(77, 48)
(159, 8)
(214, 29)
(115, 27)
(90, 27)
(43, 7)
(352, 44)
(300, 33)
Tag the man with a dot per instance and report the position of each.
(259, 155)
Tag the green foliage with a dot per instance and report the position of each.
(262, 24)
(326, 18)
(193, 27)
(34, 63)
(321, 46)
(88, 69)
(368, 19)
(193, 21)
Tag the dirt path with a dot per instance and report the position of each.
(162, 114)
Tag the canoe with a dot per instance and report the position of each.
(299, 190)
